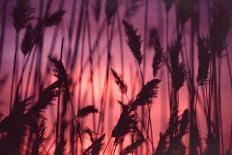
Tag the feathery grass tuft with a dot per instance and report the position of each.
(22, 14)
(59, 70)
(178, 73)
(46, 98)
(125, 124)
(111, 8)
(54, 19)
(28, 40)
(168, 4)
(146, 94)
(178, 76)
(97, 9)
(183, 123)
(219, 27)
(133, 146)
(204, 60)
(95, 147)
(133, 7)
(185, 10)
(86, 111)
(171, 141)
(39, 137)
(133, 41)
(119, 81)
(155, 43)
(174, 51)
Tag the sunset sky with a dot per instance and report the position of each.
(156, 18)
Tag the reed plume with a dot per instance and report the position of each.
(46, 99)
(155, 43)
(125, 124)
(168, 4)
(133, 41)
(132, 8)
(40, 137)
(146, 94)
(28, 40)
(24, 129)
(95, 147)
(14, 139)
(178, 73)
(97, 9)
(111, 7)
(59, 70)
(219, 27)
(53, 19)
(138, 140)
(185, 10)
(171, 141)
(22, 14)
(119, 81)
(203, 59)
(86, 111)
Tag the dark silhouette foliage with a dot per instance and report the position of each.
(86, 110)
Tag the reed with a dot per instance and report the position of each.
(80, 85)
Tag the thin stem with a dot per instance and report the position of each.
(14, 70)
(114, 150)
(30, 72)
(107, 145)
(91, 68)
(141, 74)
(3, 27)
(229, 68)
(58, 102)
(22, 73)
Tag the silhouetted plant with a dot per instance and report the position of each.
(171, 141)
(86, 110)
(24, 131)
(155, 43)
(168, 4)
(95, 147)
(22, 14)
(118, 80)
(146, 94)
(138, 140)
(53, 19)
(133, 41)
(28, 40)
(219, 27)
(204, 60)
(111, 7)
(97, 9)
(124, 125)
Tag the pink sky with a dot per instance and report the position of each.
(156, 17)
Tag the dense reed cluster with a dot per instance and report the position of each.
(62, 96)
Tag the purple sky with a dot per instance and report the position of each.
(156, 18)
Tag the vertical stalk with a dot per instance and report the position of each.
(145, 38)
(58, 104)
(91, 67)
(121, 57)
(78, 34)
(105, 87)
(3, 27)
(14, 70)
(81, 66)
(30, 72)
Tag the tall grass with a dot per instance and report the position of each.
(99, 92)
